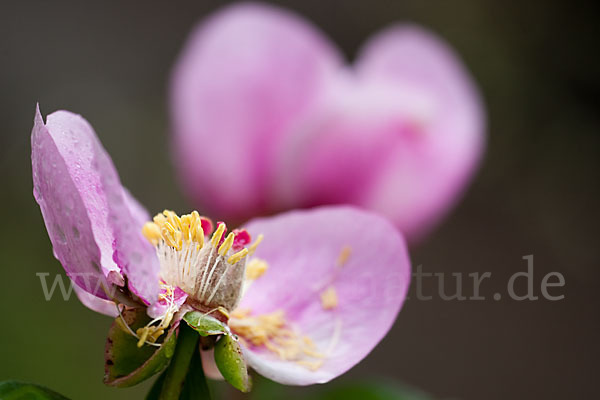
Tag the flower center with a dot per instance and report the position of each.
(211, 271)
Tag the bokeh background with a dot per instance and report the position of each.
(538, 67)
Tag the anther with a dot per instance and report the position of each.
(253, 246)
(152, 232)
(227, 244)
(237, 256)
(216, 237)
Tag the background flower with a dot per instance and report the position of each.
(266, 112)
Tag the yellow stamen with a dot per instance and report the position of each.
(197, 231)
(253, 246)
(175, 230)
(256, 268)
(171, 236)
(227, 243)
(329, 299)
(237, 256)
(143, 334)
(216, 237)
(223, 311)
(272, 331)
(155, 335)
(159, 219)
(344, 255)
(308, 341)
(152, 232)
(312, 365)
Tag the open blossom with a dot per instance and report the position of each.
(308, 293)
(399, 132)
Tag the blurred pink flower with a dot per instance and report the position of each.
(318, 294)
(266, 115)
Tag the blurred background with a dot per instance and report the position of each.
(538, 68)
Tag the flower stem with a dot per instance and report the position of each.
(187, 345)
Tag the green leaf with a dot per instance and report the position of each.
(11, 390)
(126, 364)
(204, 324)
(231, 363)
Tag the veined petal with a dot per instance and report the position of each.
(76, 226)
(93, 223)
(356, 256)
(244, 80)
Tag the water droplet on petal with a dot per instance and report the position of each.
(62, 238)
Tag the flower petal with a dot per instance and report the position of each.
(428, 175)
(159, 308)
(76, 226)
(359, 254)
(210, 366)
(106, 307)
(132, 251)
(93, 223)
(138, 212)
(244, 80)
(401, 135)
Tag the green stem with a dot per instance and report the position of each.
(187, 345)
(196, 386)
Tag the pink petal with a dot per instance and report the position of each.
(429, 173)
(210, 366)
(88, 213)
(76, 223)
(132, 251)
(245, 79)
(106, 307)
(401, 135)
(138, 212)
(160, 307)
(303, 251)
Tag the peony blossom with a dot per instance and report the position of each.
(267, 115)
(308, 293)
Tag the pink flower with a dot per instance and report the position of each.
(319, 292)
(266, 113)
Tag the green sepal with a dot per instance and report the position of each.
(231, 363)
(204, 324)
(125, 363)
(11, 390)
